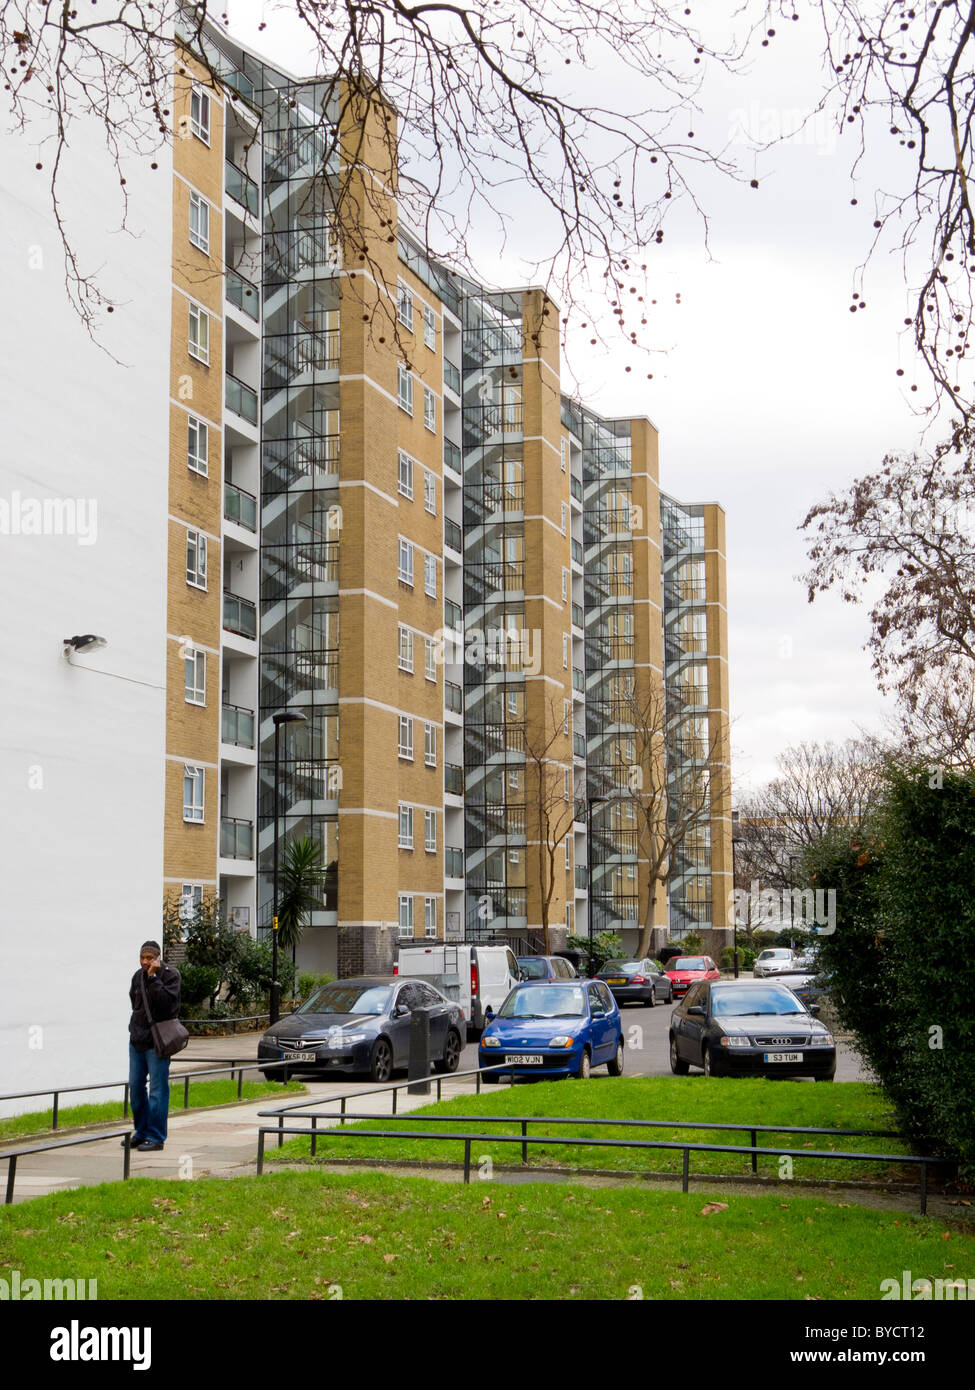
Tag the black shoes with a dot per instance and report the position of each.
(134, 1141)
(149, 1146)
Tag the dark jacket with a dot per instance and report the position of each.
(162, 991)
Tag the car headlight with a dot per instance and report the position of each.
(561, 1040)
(735, 1040)
(490, 1042)
(344, 1038)
(822, 1040)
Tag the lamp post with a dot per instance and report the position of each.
(735, 840)
(288, 716)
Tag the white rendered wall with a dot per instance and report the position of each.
(82, 744)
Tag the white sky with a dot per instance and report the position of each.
(769, 392)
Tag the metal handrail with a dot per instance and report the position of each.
(12, 1155)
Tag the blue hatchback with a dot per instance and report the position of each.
(555, 1030)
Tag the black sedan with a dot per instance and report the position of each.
(749, 1028)
(363, 1025)
(637, 982)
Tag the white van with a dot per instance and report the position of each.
(474, 976)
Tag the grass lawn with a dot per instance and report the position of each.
(376, 1236)
(221, 1091)
(854, 1105)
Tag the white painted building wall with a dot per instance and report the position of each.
(81, 743)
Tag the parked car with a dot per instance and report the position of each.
(749, 1028)
(550, 1031)
(363, 1025)
(637, 982)
(546, 968)
(684, 971)
(810, 987)
(777, 960)
(475, 977)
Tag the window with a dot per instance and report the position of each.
(430, 659)
(564, 516)
(568, 852)
(196, 559)
(565, 651)
(406, 737)
(406, 475)
(194, 779)
(197, 445)
(406, 650)
(430, 575)
(514, 779)
(566, 785)
(512, 702)
(429, 327)
(200, 114)
(566, 707)
(565, 585)
(430, 745)
(429, 917)
(199, 340)
(429, 409)
(405, 827)
(564, 451)
(406, 563)
(196, 677)
(200, 222)
(405, 391)
(190, 898)
(405, 915)
(430, 831)
(430, 491)
(404, 308)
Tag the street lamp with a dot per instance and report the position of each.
(288, 716)
(735, 840)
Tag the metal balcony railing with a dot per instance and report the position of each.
(452, 456)
(582, 876)
(313, 457)
(294, 353)
(577, 552)
(241, 398)
(453, 779)
(452, 613)
(236, 838)
(239, 615)
(453, 697)
(578, 615)
(453, 862)
(237, 726)
(245, 295)
(575, 487)
(453, 535)
(579, 745)
(578, 680)
(242, 188)
(240, 506)
(451, 377)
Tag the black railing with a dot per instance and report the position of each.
(289, 459)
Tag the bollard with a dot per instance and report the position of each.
(419, 1064)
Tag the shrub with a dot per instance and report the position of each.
(307, 982)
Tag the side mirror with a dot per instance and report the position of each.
(489, 1013)
(813, 1008)
(697, 1010)
(400, 1011)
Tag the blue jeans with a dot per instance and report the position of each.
(150, 1114)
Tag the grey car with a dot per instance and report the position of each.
(363, 1025)
(637, 982)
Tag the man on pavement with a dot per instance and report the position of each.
(161, 983)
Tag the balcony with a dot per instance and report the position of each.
(578, 616)
(242, 188)
(453, 862)
(236, 838)
(242, 293)
(239, 506)
(237, 726)
(579, 745)
(240, 615)
(453, 697)
(575, 487)
(241, 398)
(578, 680)
(453, 535)
(453, 779)
(452, 457)
(453, 614)
(451, 377)
(582, 876)
(577, 552)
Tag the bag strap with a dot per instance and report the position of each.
(145, 1000)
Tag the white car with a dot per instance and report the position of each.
(777, 960)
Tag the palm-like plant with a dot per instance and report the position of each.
(300, 888)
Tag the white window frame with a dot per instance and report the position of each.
(405, 572)
(514, 779)
(195, 677)
(199, 330)
(430, 491)
(404, 390)
(404, 306)
(405, 745)
(513, 702)
(565, 651)
(565, 510)
(429, 327)
(564, 452)
(200, 121)
(430, 831)
(430, 575)
(196, 572)
(405, 475)
(565, 586)
(430, 409)
(430, 659)
(430, 745)
(429, 918)
(190, 895)
(197, 446)
(405, 826)
(194, 806)
(405, 915)
(566, 784)
(201, 237)
(568, 851)
(405, 655)
(566, 710)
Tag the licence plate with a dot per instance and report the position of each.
(297, 1056)
(615, 982)
(783, 1056)
(525, 1059)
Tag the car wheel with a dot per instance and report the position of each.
(585, 1066)
(706, 1061)
(677, 1066)
(451, 1053)
(381, 1061)
(652, 1000)
(670, 995)
(615, 1067)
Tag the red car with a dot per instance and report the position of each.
(684, 971)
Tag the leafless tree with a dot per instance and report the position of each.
(549, 813)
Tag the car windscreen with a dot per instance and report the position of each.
(773, 1000)
(775, 955)
(544, 1001)
(533, 969)
(687, 963)
(338, 998)
(620, 967)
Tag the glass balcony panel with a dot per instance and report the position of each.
(236, 838)
(241, 398)
(242, 188)
(240, 506)
(245, 295)
(240, 615)
(237, 726)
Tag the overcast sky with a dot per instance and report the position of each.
(766, 390)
